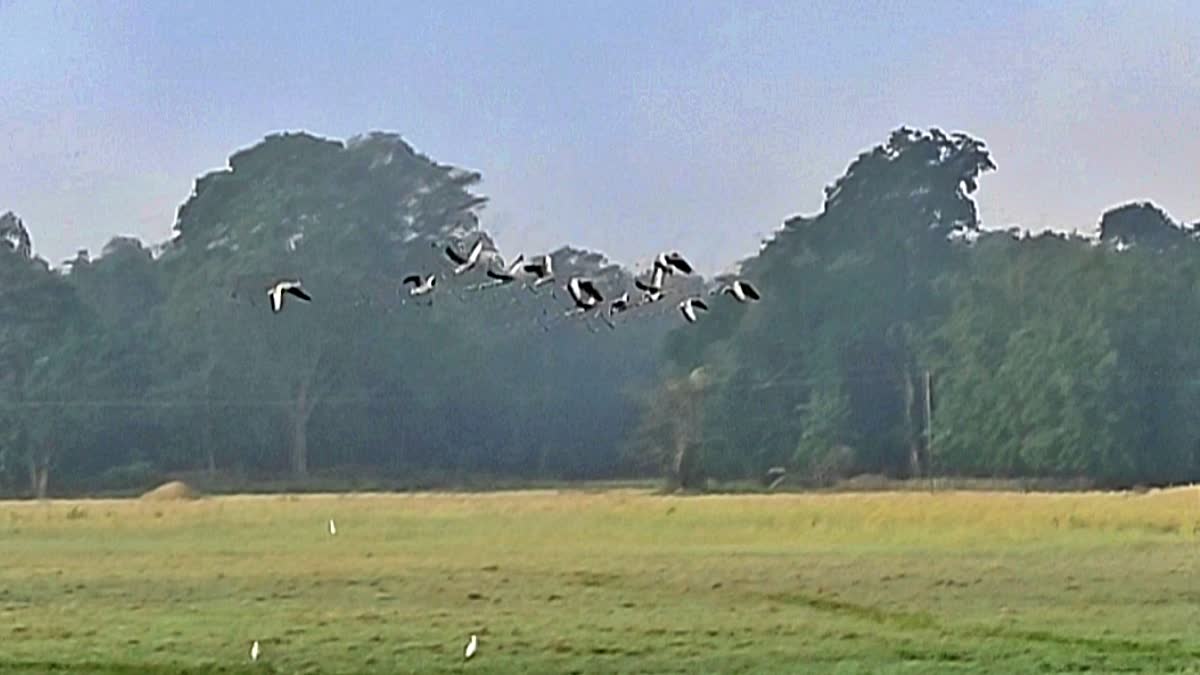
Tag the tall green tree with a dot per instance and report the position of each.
(346, 218)
(851, 293)
(51, 369)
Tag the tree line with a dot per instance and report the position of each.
(895, 337)
(912, 343)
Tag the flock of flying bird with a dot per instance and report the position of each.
(538, 272)
(584, 293)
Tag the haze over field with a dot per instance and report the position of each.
(418, 275)
(698, 125)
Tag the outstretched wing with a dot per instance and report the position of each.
(590, 289)
(455, 256)
(298, 292)
(678, 262)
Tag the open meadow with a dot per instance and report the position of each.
(606, 581)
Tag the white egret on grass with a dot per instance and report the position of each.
(472, 647)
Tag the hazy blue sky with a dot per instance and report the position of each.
(698, 124)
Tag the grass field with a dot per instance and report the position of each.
(601, 582)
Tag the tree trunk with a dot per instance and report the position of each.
(206, 439)
(685, 433)
(401, 451)
(33, 474)
(43, 478)
(39, 475)
(679, 463)
(300, 415)
(911, 431)
(300, 446)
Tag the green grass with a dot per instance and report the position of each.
(603, 582)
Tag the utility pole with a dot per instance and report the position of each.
(929, 427)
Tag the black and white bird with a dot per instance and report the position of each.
(282, 287)
(506, 275)
(655, 282)
(688, 308)
(419, 286)
(618, 305)
(672, 262)
(741, 291)
(542, 268)
(469, 261)
(584, 294)
(651, 297)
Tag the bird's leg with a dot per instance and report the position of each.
(515, 299)
(482, 285)
(543, 324)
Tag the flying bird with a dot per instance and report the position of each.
(615, 307)
(742, 291)
(656, 280)
(689, 307)
(503, 275)
(583, 293)
(509, 273)
(586, 297)
(652, 296)
(254, 651)
(672, 262)
(289, 287)
(418, 285)
(472, 647)
(465, 263)
(542, 268)
(619, 305)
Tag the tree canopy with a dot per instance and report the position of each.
(894, 336)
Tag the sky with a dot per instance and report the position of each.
(625, 126)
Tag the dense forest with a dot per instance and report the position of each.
(894, 337)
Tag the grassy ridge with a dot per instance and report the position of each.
(618, 581)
